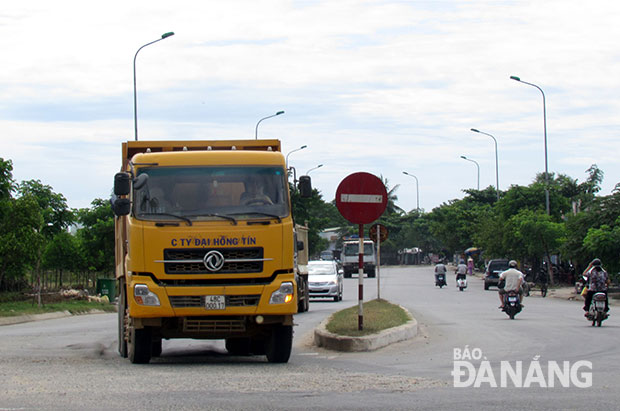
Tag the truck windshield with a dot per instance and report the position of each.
(210, 193)
(354, 249)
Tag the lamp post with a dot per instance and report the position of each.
(289, 169)
(417, 190)
(545, 131)
(314, 168)
(292, 151)
(477, 166)
(496, 162)
(135, 98)
(265, 118)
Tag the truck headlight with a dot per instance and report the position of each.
(144, 296)
(282, 295)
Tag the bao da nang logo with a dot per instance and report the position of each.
(472, 369)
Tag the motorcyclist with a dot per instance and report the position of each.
(598, 281)
(461, 270)
(543, 274)
(440, 268)
(512, 279)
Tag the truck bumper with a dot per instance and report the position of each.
(191, 301)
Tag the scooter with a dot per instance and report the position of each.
(461, 283)
(440, 280)
(512, 304)
(597, 313)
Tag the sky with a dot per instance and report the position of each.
(376, 86)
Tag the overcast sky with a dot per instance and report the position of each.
(375, 86)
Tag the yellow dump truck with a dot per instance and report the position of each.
(205, 246)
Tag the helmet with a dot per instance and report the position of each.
(596, 262)
(512, 263)
(462, 261)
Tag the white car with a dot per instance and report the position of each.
(324, 280)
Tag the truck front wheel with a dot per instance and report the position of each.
(140, 342)
(122, 318)
(238, 346)
(279, 344)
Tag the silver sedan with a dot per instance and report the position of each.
(324, 280)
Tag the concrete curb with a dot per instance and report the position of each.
(34, 317)
(18, 319)
(323, 338)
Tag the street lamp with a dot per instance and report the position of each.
(496, 163)
(417, 191)
(135, 99)
(314, 168)
(265, 118)
(545, 130)
(477, 166)
(292, 151)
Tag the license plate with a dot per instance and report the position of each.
(215, 302)
(512, 299)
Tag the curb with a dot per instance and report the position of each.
(326, 339)
(34, 317)
(19, 319)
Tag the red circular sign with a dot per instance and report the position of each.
(383, 232)
(361, 198)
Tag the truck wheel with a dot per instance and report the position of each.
(140, 341)
(156, 347)
(280, 343)
(238, 346)
(122, 318)
(304, 298)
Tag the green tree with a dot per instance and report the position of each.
(19, 240)
(96, 236)
(604, 242)
(62, 254)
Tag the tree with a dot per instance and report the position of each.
(96, 237)
(62, 253)
(20, 237)
(19, 240)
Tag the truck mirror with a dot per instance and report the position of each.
(122, 184)
(305, 186)
(121, 206)
(140, 181)
(300, 245)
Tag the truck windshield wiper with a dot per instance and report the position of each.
(180, 217)
(224, 216)
(277, 217)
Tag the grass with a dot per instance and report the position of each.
(15, 308)
(378, 315)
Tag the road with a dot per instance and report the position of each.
(71, 363)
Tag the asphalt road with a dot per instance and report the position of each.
(71, 363)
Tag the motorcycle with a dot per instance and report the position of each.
(597, 313)
(440, 280)
(461, 283)
(512, 304)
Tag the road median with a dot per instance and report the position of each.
(336, 342)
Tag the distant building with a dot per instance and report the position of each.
(331, 235)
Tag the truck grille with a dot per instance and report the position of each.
(192, 301)
(237, 260)
(214, 325)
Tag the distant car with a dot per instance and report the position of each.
(327, 255)
(492, 272)
(325, 280)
